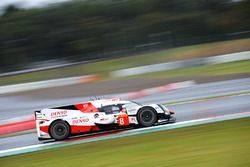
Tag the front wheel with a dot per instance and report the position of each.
(59, 130)
(147, 117)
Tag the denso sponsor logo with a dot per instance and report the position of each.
(59, 113)
(80, 121)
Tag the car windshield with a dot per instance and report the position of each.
(116, 108)
(131, 104)
(111, 109)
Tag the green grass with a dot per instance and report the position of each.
(208, 70)
(104, 67)
(224, 144)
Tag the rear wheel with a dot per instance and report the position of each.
(59, 130)
(147, 117)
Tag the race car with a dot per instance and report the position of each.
(98, 115)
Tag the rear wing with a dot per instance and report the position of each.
(38, 115)
(40, 119)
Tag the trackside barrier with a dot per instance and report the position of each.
(182, 64)
(48, 83)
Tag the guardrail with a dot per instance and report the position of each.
(41, 68)
(48, 83)
(182, 64)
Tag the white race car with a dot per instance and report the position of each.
(98, 115)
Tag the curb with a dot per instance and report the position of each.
(17, 127)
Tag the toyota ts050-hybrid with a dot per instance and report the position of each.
(98, 115)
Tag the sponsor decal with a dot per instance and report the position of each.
(133, 119)
(80, 121)
(104, 119)
(96, 115)
(86, 107)
(58, 113)
(157, 108)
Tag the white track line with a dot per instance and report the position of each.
(37, 147)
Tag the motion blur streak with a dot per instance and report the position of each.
(94, 29)
(45, 50)
(118, 134)
(184, 112)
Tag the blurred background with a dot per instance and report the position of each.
(191, 55)
(45, 33)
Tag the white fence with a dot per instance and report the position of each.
(46, 84)
(182, 64)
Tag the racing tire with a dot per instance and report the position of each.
(147, 117)
(59, 130)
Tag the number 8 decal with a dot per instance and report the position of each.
(121, 121)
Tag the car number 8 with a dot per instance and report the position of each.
(121, 121)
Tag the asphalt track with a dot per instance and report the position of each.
(15, 106)
(184, 112)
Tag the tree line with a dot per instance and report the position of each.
(92, 29)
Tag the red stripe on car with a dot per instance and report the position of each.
(86, 107)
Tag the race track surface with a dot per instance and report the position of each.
(186, 111)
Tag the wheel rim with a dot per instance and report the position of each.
(147, 116)
(60, 130)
